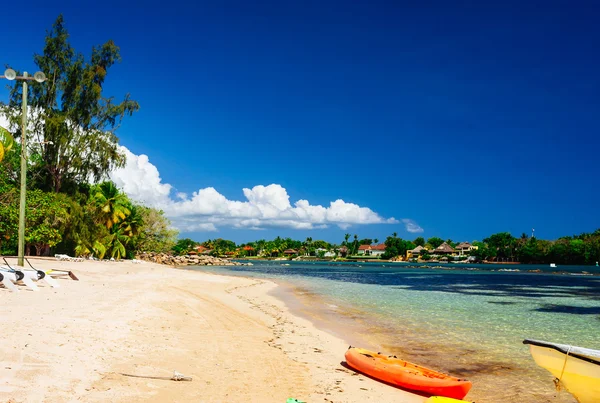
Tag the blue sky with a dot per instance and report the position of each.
(467, 119)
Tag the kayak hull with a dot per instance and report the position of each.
(406, 375)
(577, 368)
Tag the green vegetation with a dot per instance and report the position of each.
(6, 142)
(71, 144)
(582, 249)
(502, 247)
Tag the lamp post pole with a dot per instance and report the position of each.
(21, 251)
(10, 74)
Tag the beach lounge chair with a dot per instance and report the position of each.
(55, 272)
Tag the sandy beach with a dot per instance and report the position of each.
(104, 337)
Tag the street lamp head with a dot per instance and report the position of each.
(39, 77)
(10, 74)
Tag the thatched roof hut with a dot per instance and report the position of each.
(443, 249)
(418, 250)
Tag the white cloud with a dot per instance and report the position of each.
(263, 207)
(141, 181)
(411, 226)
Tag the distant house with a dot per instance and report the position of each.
(415, 253)
(324, 252)
(378, 250)
(363, 250)
(290, 252)
(202, 250)
(465, 248)
(249, 250)
(371, 250)
(444, 249)
(343, 251)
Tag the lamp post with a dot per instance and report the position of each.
(10, 74)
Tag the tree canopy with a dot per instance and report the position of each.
(73, 146)
(70, 115)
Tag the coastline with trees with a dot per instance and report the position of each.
(582, 249)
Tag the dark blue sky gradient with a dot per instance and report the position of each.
(467, 117)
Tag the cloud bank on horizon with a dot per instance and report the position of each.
(264, 207)
(207, 209)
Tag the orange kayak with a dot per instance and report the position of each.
(405, 374)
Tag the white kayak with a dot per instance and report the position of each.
(577, 368)
(33, 274)
(18, 275)
(7, 283)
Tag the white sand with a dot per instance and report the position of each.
(238, 343)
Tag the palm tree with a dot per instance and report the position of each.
(113, 205)
(115, 243)
(132, 224)
(6, 142)
(376, 241)
(346, 237)
(395, 234)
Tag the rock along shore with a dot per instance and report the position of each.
(186, 260)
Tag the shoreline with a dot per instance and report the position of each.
(488, 370)
(236, 340)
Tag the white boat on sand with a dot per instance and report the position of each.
(16, 276)
(33, 274)
(7, 283)
(577, 368)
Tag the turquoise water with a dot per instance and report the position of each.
(468, 321)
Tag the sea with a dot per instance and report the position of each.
(465, 320)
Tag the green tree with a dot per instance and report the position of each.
(503, 243)
(183, 246)
(74, 117)
(419, 241)
(155, 233)
(46, 219)
(395, 246)
(113, 205)
(435, 242)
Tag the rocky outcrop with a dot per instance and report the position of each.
(186, 260)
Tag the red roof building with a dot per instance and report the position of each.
(371, 250)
